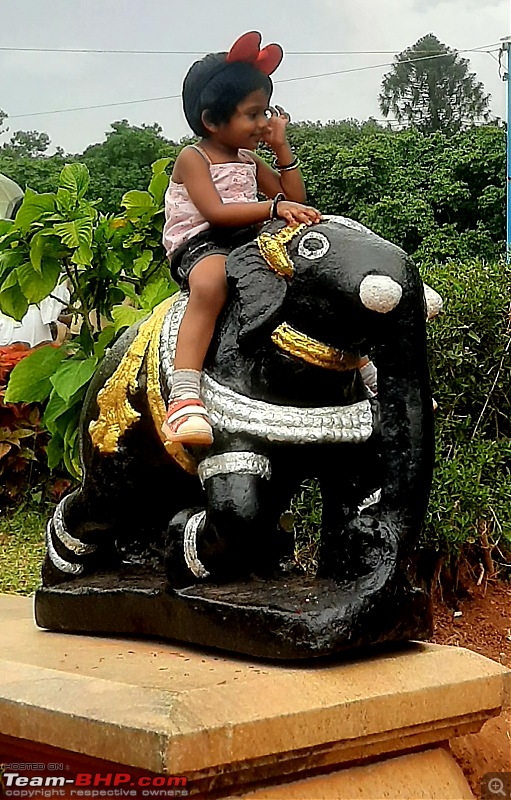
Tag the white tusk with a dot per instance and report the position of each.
(434, 302)
(380, 293)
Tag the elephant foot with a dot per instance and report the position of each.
(363, 547)
(193, 552)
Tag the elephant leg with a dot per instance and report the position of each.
(235, 537)
(350, 536)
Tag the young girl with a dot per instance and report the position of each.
(211, 204)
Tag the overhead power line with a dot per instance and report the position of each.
(201, 52)
(483, 48)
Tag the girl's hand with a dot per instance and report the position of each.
(295, 213)
(275, 135)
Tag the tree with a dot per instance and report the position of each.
(27, 143)
(431, 88)
(123, 161)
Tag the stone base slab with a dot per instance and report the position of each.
(292, 617)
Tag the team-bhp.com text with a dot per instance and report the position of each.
(89, 784)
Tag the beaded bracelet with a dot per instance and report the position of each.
(273, 208)
(295, 163)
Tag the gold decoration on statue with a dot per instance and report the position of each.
(273, 249)
(156, 402)
(301, 346)
(116, 414)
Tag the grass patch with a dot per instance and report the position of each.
(22, 547)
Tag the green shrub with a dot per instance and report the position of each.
(471, 381)
(469, 344)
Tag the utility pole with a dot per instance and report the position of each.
(506, 47)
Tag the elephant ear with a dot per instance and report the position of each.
(259, 291)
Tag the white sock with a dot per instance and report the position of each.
(185, 385)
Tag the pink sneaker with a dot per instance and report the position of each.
(187, 422)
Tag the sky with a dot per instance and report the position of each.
(34, 82)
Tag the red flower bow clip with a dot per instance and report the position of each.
(248, 49)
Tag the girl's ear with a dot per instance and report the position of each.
(206, 121)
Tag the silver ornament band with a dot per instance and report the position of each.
(238, 462)
(57, 561)
(235, 413)
(74, 545)
(190, 545)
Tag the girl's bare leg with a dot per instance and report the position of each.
(187, 420)
(208, 293)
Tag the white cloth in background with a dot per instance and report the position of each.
(34, 328)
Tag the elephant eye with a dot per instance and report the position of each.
(313, 245)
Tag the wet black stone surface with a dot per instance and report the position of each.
(285, 618)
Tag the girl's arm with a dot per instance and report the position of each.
(271, 181)
(192, 170)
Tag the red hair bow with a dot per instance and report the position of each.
(248, 49)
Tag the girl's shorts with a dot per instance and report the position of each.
(214, 241)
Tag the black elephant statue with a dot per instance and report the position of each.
(189, 543)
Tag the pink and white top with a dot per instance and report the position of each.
(235, 182)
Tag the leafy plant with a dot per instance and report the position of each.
(107, 261)
(22, 438)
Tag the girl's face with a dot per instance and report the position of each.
(247, 125)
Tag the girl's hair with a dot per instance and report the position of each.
(218, 87)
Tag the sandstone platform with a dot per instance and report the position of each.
(241, 727)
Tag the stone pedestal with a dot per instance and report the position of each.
(371, 728)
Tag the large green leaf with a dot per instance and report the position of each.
(158, 187)
(75, 233)
(112, 262)
(125, 316)
(56, 406)
(75, 178)
(12, 300)
(38, 285)
(104, 339)
(72, 375)
(34, 206)
(155, 292)
(138, 203)
(137, 199)
(9, 260)
(82, 256)
(55, 450)
(36, 251)
(142, 263)
(129, 291)
(29, 381)
(160, 165)
(66, 202)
